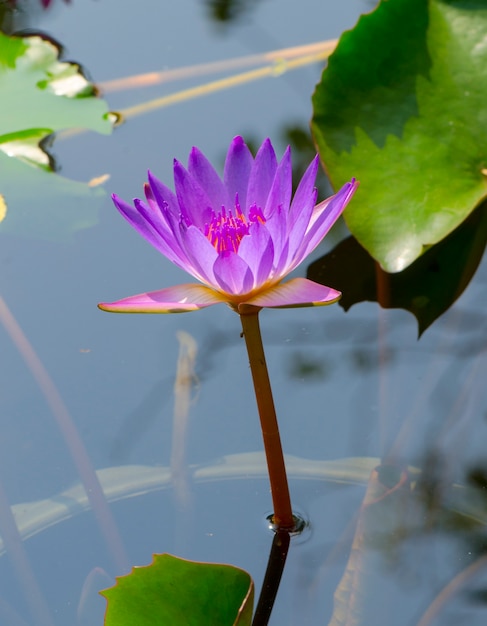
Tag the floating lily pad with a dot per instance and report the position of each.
(43, 95)
(402, 106)
(176, 592)
(41, 92)
(39, 204)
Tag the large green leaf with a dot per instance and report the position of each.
(402, 106)
(176, 592)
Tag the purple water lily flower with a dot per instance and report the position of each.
(239, 236)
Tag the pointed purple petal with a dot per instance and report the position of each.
(200, 253)
(281, 189)
(296, 292)
(237, 171)
(277, 227)
(232, 274)
(143, 219)
(324, 216)
(137, 221)
(193, 201)
(298, 229)
(205, 175)
(166, 244)
(305, 193)
(257, 250)
(165, 197)
(178, 299)
(261, 176)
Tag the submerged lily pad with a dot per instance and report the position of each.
(44, 205)
(402, 106)
(175, 592)
(43, 95)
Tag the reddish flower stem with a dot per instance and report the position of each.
(283, 517)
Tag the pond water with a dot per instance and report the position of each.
(349, 387)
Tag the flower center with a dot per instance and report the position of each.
(225, 230)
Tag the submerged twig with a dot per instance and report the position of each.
(68, 429)
(450, 589)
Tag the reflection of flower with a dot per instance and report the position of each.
(240, 237)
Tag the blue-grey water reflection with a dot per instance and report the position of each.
(346, 385)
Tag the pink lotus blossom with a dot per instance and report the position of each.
(240, 236)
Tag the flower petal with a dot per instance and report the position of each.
(305, 192)
(261, 176)
(237, 171)
(296, 292)
(324, 216)
(205, 175)
(194, 203)
(200, 253)
(232, 273)
(298, 229)
(165, 197)
(277, 227)
(178, 299)
(282, 186)
(257, 250)
(167, 244)
(138, 221)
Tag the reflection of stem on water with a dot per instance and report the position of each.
(272, 578)
(185, 379)
(283, 517)
(68, 429)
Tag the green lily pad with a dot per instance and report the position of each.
(427, 288)
(176, 592)
(402, 106)
(41, 92)
(43, 95)
(39, 204)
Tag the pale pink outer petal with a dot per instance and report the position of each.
(296, 292)
(178, 299)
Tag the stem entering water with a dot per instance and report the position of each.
(283, 517)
